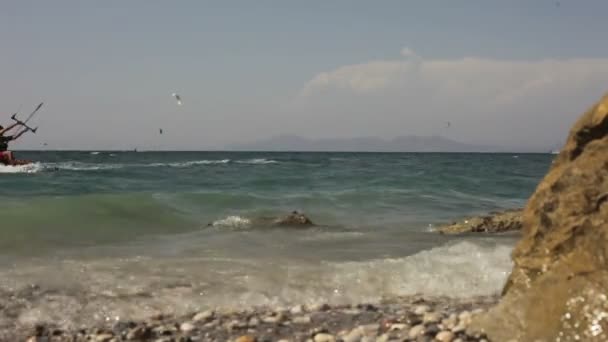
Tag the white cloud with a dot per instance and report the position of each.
(492, 100)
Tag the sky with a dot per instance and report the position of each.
(508, 73)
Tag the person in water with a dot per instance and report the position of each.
(6, 156)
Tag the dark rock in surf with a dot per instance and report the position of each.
(293, 219)
(496, 222)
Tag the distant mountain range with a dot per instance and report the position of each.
(364, 144)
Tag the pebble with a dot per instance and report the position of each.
(296, 310)
(302, 320)
(203, 316)
(382, 338)
(354, 335)
(352, 312)
(416, 331)
(320, 307)
(445, 336)
(211, 325)
(254, 322)
(465, 317)
(104, 337)
(186, 327)
(431, 329)
(246, 338)
(421, 309)
(450, 322)
(138, 333)
(459, 328)
(273, 319)
(322, 337)
(236, 324)
(398, 327)
(431, 317)
(370, 329)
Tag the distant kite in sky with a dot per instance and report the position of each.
(177, 98)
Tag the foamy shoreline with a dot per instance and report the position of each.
(411, 318)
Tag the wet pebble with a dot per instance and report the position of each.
(203, 316)
(431, 317)
(444, 336)
(104, 337)
(354, 335)
(273, 319)
(302, 320)
(296, 310)
(246, 338)
(421, 309)
(416, 331)
(186, 327)
(322, 337)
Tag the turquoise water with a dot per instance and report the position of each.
(128, 223)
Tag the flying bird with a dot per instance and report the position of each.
(449, 124)
(160, 130)
(177, 98)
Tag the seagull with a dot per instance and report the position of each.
(178, 98)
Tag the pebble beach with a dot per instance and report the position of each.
(412, 318)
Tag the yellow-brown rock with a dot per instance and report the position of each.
(497, 222)
(558, 288)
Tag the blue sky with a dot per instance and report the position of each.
(106, 69)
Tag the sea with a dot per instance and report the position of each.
(108, 235)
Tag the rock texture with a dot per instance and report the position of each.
(558, 288)
(496, 222)
(293, 219)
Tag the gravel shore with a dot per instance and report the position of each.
(412, 318)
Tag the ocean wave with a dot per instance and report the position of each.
(136, 288)
(80, 166)
(234, 222)
(185, 163)
(29, 168)
(257, 161)
(87, 166)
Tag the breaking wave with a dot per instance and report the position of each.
(257, 161)
(29, 168)
(133, 287)
(87, 166)
(234, 222)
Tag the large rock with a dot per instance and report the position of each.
(496, 222)
(558, 288)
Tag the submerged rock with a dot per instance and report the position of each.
(559, 284)
(496, 222)
(293, 219)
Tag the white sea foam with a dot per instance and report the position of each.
(257, 161)
(232, 222)
(133, 288)
(80, 166)
(29, 168)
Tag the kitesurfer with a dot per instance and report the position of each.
(6, 156)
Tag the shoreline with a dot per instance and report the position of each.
(411, 318)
